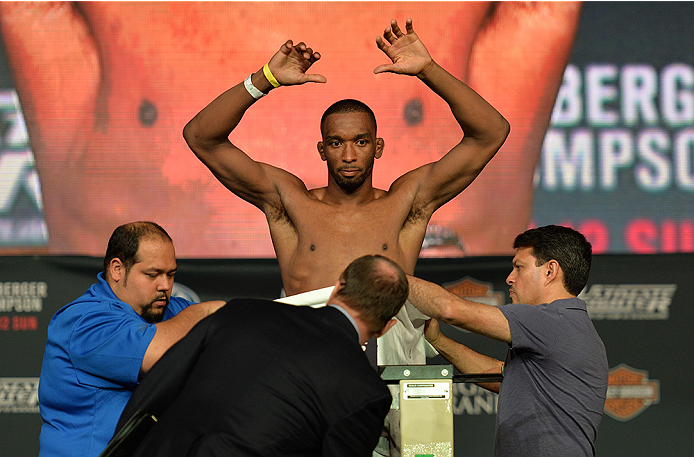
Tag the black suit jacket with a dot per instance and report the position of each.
(260, 378)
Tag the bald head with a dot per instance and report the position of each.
(375, 287)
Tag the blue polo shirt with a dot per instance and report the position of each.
(94, 351)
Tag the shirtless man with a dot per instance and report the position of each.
(317, 232)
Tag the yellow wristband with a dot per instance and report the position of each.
(270, 77)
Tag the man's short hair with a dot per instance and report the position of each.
(125, 242)
(347, 106)
(375, 287)
(567, 246)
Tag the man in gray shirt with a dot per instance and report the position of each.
(555, 374)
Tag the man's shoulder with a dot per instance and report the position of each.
(569, 303)
(90, 312)
(531, 313)
(292, 200)
(89, 302)
(176, 305)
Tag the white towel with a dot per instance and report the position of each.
(313, 298)
(404, 344)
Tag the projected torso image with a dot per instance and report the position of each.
(107, 87)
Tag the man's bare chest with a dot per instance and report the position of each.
(363, 223)
(314, 244)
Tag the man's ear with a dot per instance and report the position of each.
(380, 144)
(338, 285)
(552, 271)
(386, 327)
(116, 269)
(319, 146)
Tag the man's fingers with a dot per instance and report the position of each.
(308, 53)
(394, 32)
(385, 68)
(286, 48)
(381, 44)
(408, 26)
(431, 331)
(380, 69)
(301, 48)
(396, 28)
(388, 35)
(315, 78)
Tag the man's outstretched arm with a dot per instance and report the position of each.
(170, 331)
(484, 128)
(466, 360)
(207, 134)
(435, 301)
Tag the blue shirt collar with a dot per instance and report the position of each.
(105, 287)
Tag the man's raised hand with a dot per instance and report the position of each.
(290, 63)
(408, 53)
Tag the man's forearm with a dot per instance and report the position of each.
(431, 299)
(218, 119)
(477, 118)
(468, 361)
(170, 331)
(435, 301)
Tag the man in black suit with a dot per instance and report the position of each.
(260, 378)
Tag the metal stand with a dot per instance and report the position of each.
(426, 410)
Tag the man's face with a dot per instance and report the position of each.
(147, 286)
(526, 278)
(349, 147)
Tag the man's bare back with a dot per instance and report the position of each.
(316, 233)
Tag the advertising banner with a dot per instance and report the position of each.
(638, 303)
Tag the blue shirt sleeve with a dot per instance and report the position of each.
(107, 346)
(108, 343)
(176, 305)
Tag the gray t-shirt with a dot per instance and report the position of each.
(555, 382)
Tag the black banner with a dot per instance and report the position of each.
(639, 304)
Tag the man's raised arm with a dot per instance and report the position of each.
(435, 301)
(485, 130)
(207, 134)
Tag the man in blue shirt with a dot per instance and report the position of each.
(555, 374)
(100, 345)
(267, 379)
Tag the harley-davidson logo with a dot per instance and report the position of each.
(630, 392)
(474, 290)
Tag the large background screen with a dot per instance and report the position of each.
(94, 98)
